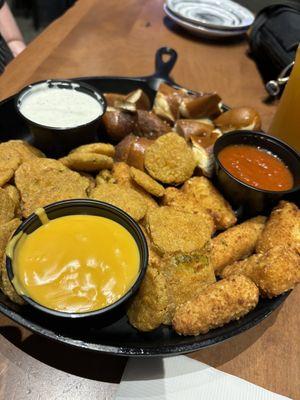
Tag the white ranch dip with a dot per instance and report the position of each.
(59, 108)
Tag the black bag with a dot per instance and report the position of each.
(274, 38)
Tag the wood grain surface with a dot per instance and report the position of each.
(120, 38)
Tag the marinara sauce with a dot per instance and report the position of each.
(257, 167)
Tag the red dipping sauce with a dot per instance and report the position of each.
(257, 167)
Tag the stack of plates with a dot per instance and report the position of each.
(210, 18)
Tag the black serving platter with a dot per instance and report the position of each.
(119, 337)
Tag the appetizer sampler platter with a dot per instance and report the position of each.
(120, 337)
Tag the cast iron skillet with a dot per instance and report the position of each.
(119, 337)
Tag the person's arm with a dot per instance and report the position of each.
(10, 31)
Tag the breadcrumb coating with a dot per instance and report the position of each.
(146, 182)
(274, 272)
(89, 162)
(282, 228)
(224, 301)
(236, 243)
(169, 159)
(210, 199)
(172, 230)
(125, 198)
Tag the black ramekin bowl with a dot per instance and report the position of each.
(86, 207)
(56, 141)
(240, 194)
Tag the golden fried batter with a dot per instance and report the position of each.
(6, 175)
(91, 180)
(12, 154)
(15, 152)
(125, 198)
(218, 304)
(172, 230)
(146, 182)
(6, 231)
(7, 207)
(274, 272)
(105, 176)
(14, 194)
(169, 159)
(42, 181)
(187, 275)
(154, 258)
(89, 162)
(282, 228)
(208, 197)
(121, 173)
(96, 148)
(236, 243)
(149, 307)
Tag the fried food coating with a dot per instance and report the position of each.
(282, 228)
(121, 174)
(6, 175)
(97, 148)
(154, 259)
(91, 180)
(6, 231)
(42, 181)
(209, 198)
(179, 200)
(7, 207)
(274, 272)
(125, 198)
(224, 301)
(171, 230)
(187, 275)
(169, 159)
(105, 176)
(14, 194)
(148, 309)
(88, 162)
(146, 182)
(15, 152)
(236, 243)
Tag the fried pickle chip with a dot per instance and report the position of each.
(6, 230)
(149, 307)
(236, 243)
(14, 194)
(6, 175)
(282, 228)
(121, 174)
(146, 182)
(208, 197)
(169, 159)
(42, 181)
(97, 148)
(173, 231)
(187, 275)
(125, 198)
(105, 176)
(25, 150)
(224, 301)
(12, 154)
(7, 207)
(274, 272)
(89, 162)
(154, 259)
(176, 198)
(91, 180)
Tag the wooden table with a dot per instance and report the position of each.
(120, 38)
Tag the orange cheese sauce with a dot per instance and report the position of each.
(76, 263)
(256, 167)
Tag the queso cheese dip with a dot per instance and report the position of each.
(76, 263)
